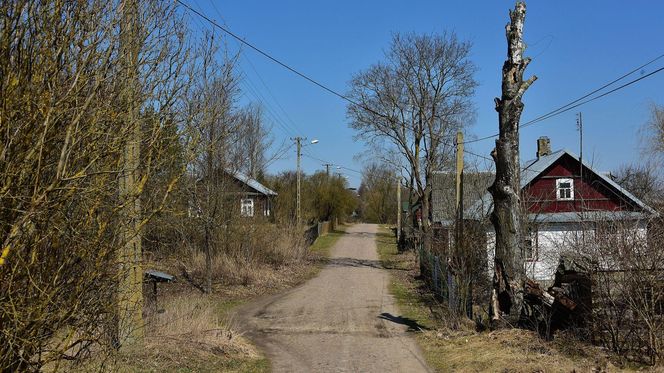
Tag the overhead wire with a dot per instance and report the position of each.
(335, 164)
(579, 101)
(292, 129)
(560, 110)
(251, 88)
(290, 123)
(267, 55)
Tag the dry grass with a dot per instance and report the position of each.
(322, 246)
(452, 345)
(189, 334)
(510, 350)
(192, 331)
(195, 321)
(251, 255)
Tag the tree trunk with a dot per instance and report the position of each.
(509, 272)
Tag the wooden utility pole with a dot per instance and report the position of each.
(130, 282)
(298, 141)
(459, 193)
(509, 272)
(327, 168)
(398, 180)
(579, 124)
(461, 257)
(459, 174)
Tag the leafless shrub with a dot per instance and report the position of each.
(248, 253)
(626, 264)
(64, 127)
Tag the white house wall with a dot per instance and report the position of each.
(551, 242)
(554, 240)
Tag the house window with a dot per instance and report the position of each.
(266, 208)
(564, 189)
(247, 207)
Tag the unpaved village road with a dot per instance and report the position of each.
(344, 320)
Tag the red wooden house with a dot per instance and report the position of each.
(566, 201)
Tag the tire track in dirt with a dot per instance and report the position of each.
(344, 320)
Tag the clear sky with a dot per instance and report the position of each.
(576, 46)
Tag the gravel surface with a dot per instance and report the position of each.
(344, 320)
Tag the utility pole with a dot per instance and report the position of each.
(298, 141)
(398, 179)
(459, 190)
(579, 125)
(578, 188)
(459, 174)
(130, 282)
(327, 168)
(464, 293)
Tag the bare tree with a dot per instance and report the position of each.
(377, 192)
(213, 100)
(625, 262)
(252, 142)
(641, 180)
(655, 128)
(509, 274)
(414, 100)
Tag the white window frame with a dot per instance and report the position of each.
(247, 207)
(559, 189)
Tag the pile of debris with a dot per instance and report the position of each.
(564, 305)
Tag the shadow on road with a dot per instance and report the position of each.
(413, 326)
(359, 233)
(353, 262)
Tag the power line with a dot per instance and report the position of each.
(477, 155)
(560, 110)
(325, 161)
(253, 68)
(251, 88)
(595, 98)
(284, 65)
(579, 101)
(598, 89)
(289, 125)
(268, 56)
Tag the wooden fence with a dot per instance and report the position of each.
(318, 229)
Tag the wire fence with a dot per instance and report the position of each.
(438, 273)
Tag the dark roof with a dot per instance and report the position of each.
(252, 183)
(533, 168)
(443, 192)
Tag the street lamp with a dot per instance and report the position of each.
(298, 141)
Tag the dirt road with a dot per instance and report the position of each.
(344, 320)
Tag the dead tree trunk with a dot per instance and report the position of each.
(509, 273)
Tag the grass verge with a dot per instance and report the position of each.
(452, 345)
(322, 246)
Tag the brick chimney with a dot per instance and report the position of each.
(543, 146)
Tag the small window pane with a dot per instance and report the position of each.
(565, 189)
(247, 207)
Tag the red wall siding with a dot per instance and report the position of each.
(590, 194)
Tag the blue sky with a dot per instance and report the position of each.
(576, 47)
